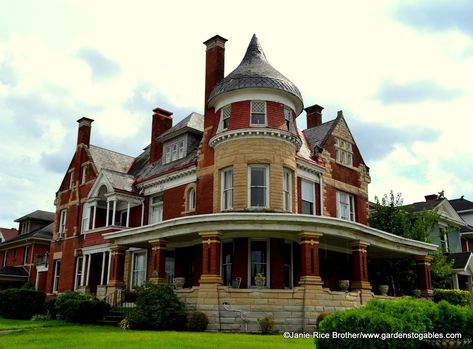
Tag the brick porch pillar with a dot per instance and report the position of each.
(360, 266)
(310, 271)
(117, 266)
(424, 275)
(210, 257)
(158, 261)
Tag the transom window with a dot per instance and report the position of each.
(258, 113)
(345, 206)
(258, 186)
(344, 152)
(227, 188)
(287, 185)
(308, 197)
(174, 151)
(226, 111)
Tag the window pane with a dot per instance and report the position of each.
(258, 176)
(258, 259)
(258, 197)
(307, 207)
(257, 119)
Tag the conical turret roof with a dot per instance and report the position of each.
(255, 71)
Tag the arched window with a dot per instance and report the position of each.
(191, 199)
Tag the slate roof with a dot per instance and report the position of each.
(119, 180)
(14, 271)
(110, 160)
(460, 259)
(420, 206)
(38, 215)
(8, 233)
(317, 135)
(192, 122)
(461, 204)
(44, 233)
(255, 71)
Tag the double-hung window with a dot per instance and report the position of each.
(156, 209)
(78, 281)
(258, 113)
(85, 218)
(258, 260)
(57, 272)
(139, 269)
(62, 224)
(227, 188)
(174, 151)
(226, 111)
(287, 186)
(258, 186)
(308, 197)
(345, 206)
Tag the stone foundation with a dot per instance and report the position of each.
(238, 310)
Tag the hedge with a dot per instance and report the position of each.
(455, 297)
(16, 303)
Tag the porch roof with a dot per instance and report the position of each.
(337, 233)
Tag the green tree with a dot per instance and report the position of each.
(391, 216)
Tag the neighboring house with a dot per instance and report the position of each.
(464, 208)
(7, 234)
(24, 256)
(220, 198)
(451, 234)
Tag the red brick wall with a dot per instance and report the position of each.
(204, 194)
(173, 202)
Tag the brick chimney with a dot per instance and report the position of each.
(83, 134)
(162, 121)
(431, 197)
(214, 67)
(314, 115)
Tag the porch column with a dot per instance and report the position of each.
(95, 215)
(210, 257)
(108, 214)
(88, 269)
(360, 266)
(158, 261)
(82, 277)
(309, 245)
(103, 269)
(117, 266)
(128, 214)
(114, 211)
(424, 275)
(142, 213)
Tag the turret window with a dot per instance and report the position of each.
(287, 179)
(287, 117)
(226, 111)
(258, 113)
(227, 188)
(258, 190)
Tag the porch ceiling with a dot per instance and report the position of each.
(337, 233)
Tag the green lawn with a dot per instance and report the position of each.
(56, 334)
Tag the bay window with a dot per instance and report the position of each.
(227, 188)
(258, 186)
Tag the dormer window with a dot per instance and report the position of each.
(174, 150)
(226, 111)
(344, 152)
(258, 113)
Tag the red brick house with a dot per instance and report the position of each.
(24, 252)
(220, 198)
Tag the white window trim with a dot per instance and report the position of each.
(169, 145)
(265, 115)
(287, 206)
(314, 201)
(267, 185)
(351, 206)
(343, 152)
(132, 269)
(62, 223)
(5, 256)
(268, 264)
(152, 205)
(85, 218)
(78, 274)
(223, 190)
(57, 263)
(222, 113)
(191, 199)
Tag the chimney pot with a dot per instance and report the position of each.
(83, 133)
(314, 115)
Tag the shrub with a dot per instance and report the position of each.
(321, 317)
(266, 325)
(18, 303)
(50, 308)
(455, 297)
(69, 295)
(198, 322)
(157, 308)
(83, 311)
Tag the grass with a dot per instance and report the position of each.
(56, 334)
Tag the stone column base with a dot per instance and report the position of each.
(427, 293)
(361, 285)
(310, 280)
(210, 279)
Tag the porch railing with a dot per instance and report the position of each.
(119, 299)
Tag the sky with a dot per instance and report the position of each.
(401, 71)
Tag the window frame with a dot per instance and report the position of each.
(314, 201)
(290, 266)
(159, 203)
(83, 178)
(224, 200)
(251, 282)
(254, 113)
(343, 152)
(350, 204)
(266, 178)
(134, 272)
(57, 273)
(62, 223)
(191, 199)
(71, 179)
(175, 150)
(288, 117)
(224, 264)
(85, 224)
(25, 254)
(78, 273)
(287, 190)
(225, 119)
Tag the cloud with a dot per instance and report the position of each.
(415, 91)
(438, 15)
(101, 66)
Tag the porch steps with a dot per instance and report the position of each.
(113, 318)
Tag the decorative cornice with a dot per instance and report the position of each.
(311, 168)
(168, 178)
(255, 133)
